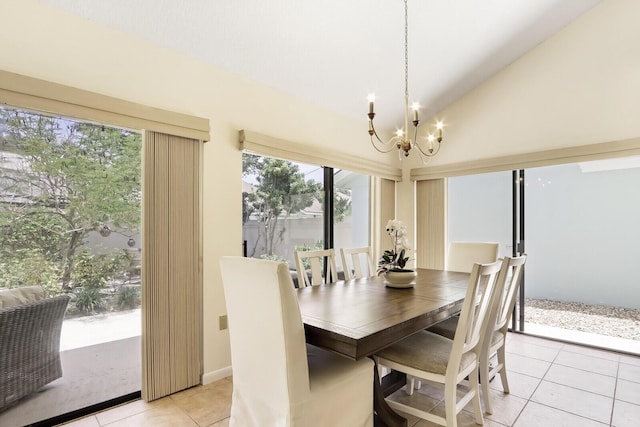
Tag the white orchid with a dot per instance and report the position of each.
(395, 259)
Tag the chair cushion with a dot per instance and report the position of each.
(20, 296)
(497, 338)
(425, 351)
(446, 328)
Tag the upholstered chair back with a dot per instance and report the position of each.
(462, 255)
(268, 350)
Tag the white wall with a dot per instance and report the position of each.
(41, 42)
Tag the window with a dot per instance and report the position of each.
(284, 208)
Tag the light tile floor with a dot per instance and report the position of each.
(552, 384)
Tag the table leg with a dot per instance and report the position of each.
(384, 415)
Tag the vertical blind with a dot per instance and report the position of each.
(171, 265)
(384, 209)
(431, 225)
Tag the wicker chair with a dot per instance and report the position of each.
(30, 347)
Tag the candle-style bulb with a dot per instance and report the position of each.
(439, 126)
(371, 98)
(415, 107)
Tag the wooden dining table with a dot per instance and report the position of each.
(359, 317)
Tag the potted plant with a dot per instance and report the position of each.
(393, 261)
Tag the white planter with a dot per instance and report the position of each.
(399, 278)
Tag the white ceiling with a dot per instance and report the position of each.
(334, 52)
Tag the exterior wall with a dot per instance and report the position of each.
(300, 231)
(581, 230)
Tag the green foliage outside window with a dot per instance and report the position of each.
(60, 181)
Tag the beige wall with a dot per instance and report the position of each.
(580, 87)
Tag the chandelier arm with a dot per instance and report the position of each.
(433, 153)
(415, 135)
(389, 144)
(424, 158)
(392, 142)
(373, 129)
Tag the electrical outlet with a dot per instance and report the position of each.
(223, 322)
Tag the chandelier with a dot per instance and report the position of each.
(402, 140)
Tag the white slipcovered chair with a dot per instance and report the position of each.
(316, 259)
(279, 380)
(428, 356)
(353, 260)
(462, 255)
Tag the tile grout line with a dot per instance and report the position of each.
(615, 391)
(575, 388)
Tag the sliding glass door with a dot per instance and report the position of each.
(69, 218)
(580, 222)
(582, 237)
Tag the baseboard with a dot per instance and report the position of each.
(220, 374)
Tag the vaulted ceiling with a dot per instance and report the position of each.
(335, 52)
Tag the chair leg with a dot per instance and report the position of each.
(503, 369)
(484, 383)
(450, 400)
(410, 383)
(477, 408)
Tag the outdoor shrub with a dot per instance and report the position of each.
(274, 257)
(88, 300)
(28, 268)
(93, 271)
(128, 297)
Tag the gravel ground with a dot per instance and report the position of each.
(597, 319)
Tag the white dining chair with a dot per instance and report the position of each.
(494, 341)
(432, 357)
(357, 263)
(462, 255)
(278, 380)
(317, 259)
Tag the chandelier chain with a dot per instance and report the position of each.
(406, 50)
